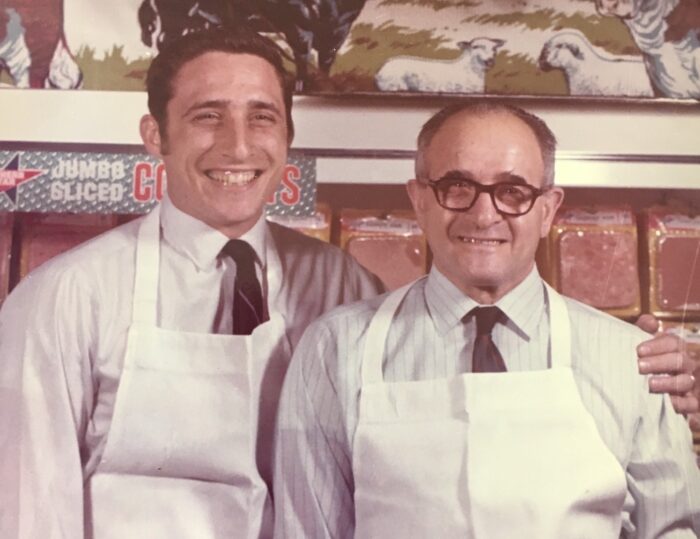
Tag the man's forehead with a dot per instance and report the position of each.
(215, 74)
(472, 123)
(492, 141)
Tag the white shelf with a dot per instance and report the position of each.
(598, 143)
(571, 171)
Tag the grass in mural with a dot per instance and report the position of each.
(113, 72)
(517, 74)
(437, 5)
(371, 46)
(599, 30)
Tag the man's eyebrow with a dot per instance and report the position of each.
(257, 104)
(220, 104)
(503, 177)
(457, 174)
(511, 178)
(209, 104)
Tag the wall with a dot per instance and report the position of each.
(592, 136)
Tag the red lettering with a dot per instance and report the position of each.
(161, 180)
(143, 173)
(291, 193)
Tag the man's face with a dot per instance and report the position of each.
(225, 144)
(482, 252)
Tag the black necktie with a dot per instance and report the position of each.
(247, 294)
(486, 356)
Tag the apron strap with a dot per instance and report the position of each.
(559, 329)
(373, 353)
(273, 275)
(146, 272)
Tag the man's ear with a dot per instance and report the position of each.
(415, 193)
(552, 200)
(150, 134)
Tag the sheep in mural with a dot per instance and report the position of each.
(668, 34)
(465, 74)
(592, 71)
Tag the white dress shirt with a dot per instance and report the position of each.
(63, 336)
(317, 419)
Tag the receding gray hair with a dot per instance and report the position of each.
(544, 135)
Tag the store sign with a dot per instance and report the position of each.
(101, 182)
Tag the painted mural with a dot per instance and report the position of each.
(614, 48)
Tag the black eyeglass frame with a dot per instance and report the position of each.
(481, 188)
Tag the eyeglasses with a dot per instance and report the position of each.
(456, 193)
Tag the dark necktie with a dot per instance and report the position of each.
(247, 294)
(486, 356)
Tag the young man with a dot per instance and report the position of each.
(129, 409)
(478, 402)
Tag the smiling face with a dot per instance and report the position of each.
(482, 252)
(225, 144)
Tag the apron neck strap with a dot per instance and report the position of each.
(146, 272)
(559, 329)
(373, 353)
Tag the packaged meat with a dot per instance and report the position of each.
(593, 258)
(673, 243)
(43, 236)
(317, 225)
(6, 221)
(389, 244)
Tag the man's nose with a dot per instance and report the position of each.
(483, 211)
(235, 140)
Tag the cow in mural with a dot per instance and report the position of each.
(307, 25)
(668, 34)
(33, 47)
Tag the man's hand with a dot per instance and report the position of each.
(666, 357)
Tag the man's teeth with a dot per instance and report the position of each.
(478, 241)
(230, 177)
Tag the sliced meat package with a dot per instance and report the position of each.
(317, 225)
(43, 236)
(389, 244)
(6, 220)
(593, 258)
(673, 243)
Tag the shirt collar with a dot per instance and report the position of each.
(447, 304)
(201, 243)
(524, 305)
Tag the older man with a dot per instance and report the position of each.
(478, 402)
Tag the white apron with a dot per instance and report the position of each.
(180, 457)
(485, 455)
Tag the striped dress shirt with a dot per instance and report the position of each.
(313, 483)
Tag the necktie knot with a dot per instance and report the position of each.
(486, 318)
(241, 252)
(247, 298)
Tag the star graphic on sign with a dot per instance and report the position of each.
(11, 176)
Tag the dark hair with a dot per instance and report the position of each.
(544, 135)
(237, 39)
